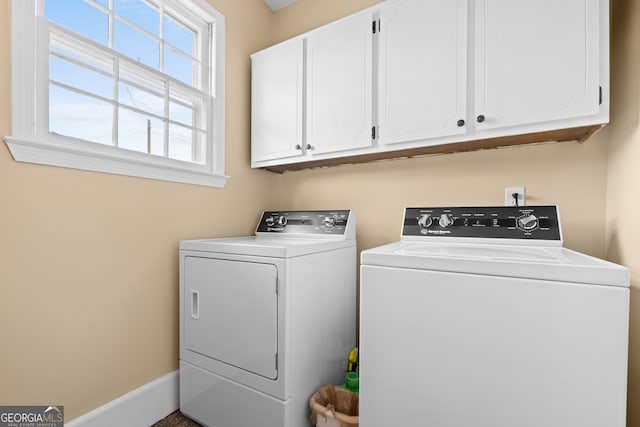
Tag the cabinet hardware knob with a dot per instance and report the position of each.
(480, 118)
(298, 147)
(460, 123)
(308, 147)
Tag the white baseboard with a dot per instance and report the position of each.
(141, 407)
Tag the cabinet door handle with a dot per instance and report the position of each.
(480, 118)
(460, 123)
(308, 147)
(298, 147)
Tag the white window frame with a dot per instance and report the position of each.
(32, 143)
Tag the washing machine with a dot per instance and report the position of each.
(266, 320)
(480, 317)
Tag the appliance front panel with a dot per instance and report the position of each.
(231, 312)
(215, 401)
(476, 350)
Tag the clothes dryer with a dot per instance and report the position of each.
(479, 317)
(266, 320)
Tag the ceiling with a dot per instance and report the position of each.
(275, 5)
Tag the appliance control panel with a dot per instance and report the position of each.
(499, 222)
(305, 222)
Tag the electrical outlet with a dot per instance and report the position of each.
(514, 196)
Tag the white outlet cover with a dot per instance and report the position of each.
(509, 200)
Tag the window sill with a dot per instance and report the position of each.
(98, 158)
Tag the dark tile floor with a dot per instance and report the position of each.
(176, 419)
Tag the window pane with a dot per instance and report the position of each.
(179, 35)
(142, 99)
(140, 13)
(182, 114)
(180, 143)
(77, 76)
(79, 116)
(178, 66)
(136, 130)
(136, 45)
(145, 120)
(80, 17)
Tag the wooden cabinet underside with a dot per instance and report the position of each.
(579, 134)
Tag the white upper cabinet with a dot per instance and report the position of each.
(422, 65)
(277, 101)
(432, 76)
(339, 92)
(535, 61)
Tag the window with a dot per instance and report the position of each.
(133, 87)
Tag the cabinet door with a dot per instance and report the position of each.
(277, 101)
(339, 91)
(536, 61)
(422, 69)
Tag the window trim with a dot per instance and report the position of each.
(26, 144)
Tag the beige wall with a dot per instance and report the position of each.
(623, 180)
(378, 192)
(88, 261)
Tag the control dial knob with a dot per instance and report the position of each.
(425, 221)
(445, 220)
(528, 222)
(329, 221)
(270, 221)
(282, 221)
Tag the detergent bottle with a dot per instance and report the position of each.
(352, 377)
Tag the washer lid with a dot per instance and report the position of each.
(529, 262)
(507, 253)
(265, 246)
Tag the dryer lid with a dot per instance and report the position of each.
(275, 247)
